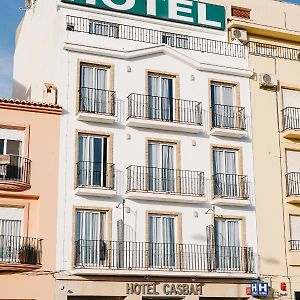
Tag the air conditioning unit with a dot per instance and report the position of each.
(268, 81)
(239, 34)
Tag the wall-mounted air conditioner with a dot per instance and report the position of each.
(268, 81)
(239, 34)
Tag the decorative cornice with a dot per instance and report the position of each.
(32, 106)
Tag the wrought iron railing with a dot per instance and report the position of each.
(228, 117)
(164, 180)
(291, 118)
(15, 168)
(295, 245)
(151, 36)
(95, 174)
(97, 101)
(270, 50)
(20, 250)
(231, 186)
(98, 254)
(293, 184)
(164, 109)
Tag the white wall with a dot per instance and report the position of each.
(58, 66)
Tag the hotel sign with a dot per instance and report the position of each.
(184, 11)
(166, 289)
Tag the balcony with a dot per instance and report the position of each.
(96, 105)
(124, 32)
(20, 253)
(291, 122)
(95, 179)
(231, 189)
(14, 173)
(162, 184)
(164, 113)
(137, 257)
(293, 187)
(229, 121)
(294, 257)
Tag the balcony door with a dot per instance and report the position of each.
(11, 144)
(162, 241)
(94, 94)
(295, 232)
(225, 162)
(291, 111)
(228, 244)
(223, 102)
(92, 161)
(90, 238)
(161, 167)
(161, 100)
(293, 172)
(11, 231)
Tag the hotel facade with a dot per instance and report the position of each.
(167, 155)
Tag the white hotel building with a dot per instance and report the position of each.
(155, 135)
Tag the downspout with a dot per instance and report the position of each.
(282, 188)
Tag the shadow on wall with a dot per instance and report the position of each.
(19, 91)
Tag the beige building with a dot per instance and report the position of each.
(271, 31)
(28, 198)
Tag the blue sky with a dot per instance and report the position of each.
(10, 16)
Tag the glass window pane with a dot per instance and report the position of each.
(1, 146)
(13, 147)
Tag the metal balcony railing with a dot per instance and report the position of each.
(164, 109)
(20, 250)
(15, 168)
(95, 174)
(291, 118)
(293, 184)
(270, 50)
(163, 180)
(295, 245)
(97, 101)
(151, 36)
(231, 186)
(124, 255)
(228, 117)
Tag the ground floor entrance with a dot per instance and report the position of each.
(150, 288)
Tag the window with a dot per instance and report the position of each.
(292, 161)
(11, 141)
(291, 98)
(11, 220)
(228, 242)
(94, 94)
(175, 40)
(225, 162)
(104, 28)
(240, 12)
(293, 173)
(11, 223)
(162, 240)
(161, 100)
(161, 167)
(295, 232)
(92, 165)
(90, 237)
(223, 100)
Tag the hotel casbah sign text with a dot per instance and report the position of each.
(166, 289)
(184, 11)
